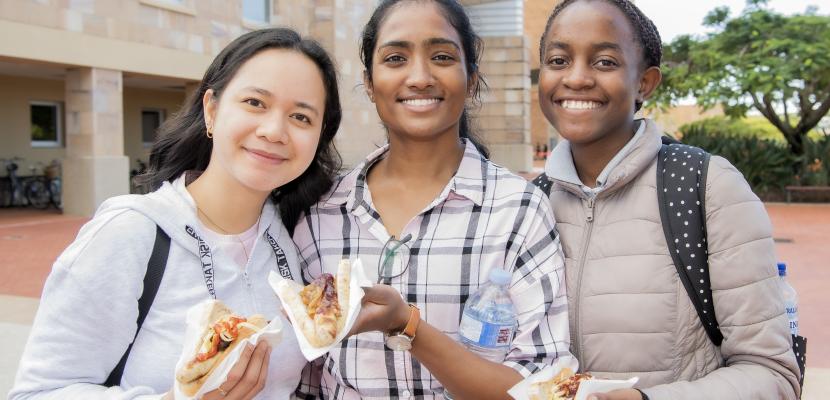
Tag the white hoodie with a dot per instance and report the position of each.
(88, 310)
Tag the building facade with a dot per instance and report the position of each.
(88, 82)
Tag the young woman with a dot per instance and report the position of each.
(251, 147)
(435, 216)
(630, 313)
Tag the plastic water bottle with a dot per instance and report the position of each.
(790, 298)
(489, 320)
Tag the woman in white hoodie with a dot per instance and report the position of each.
(251, 148)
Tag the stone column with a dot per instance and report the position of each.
(504, 118)
(95, 167)
(338, 26)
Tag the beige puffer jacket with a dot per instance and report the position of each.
(630, 314)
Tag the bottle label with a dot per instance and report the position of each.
(792, 315)
(486, 334)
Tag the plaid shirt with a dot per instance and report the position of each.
(484, 218)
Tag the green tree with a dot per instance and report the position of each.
(760, 59)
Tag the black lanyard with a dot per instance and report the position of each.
(206, 258)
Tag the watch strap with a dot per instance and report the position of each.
(413, 322)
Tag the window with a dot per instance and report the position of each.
(258, 11)
(150, 122)
(47, 129)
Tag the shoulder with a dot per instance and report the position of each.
(340, 191)
(115, 235)
(503, 183)
(725, 185)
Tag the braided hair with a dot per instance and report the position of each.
(646, 33)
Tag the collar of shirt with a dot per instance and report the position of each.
(561, 166)
(469, 181)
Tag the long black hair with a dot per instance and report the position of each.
(182, 143)
(471, 45)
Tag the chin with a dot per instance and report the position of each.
(577, 134)
(266, 183)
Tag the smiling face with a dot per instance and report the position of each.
(592, 73)
(419, 83)
(266, 124)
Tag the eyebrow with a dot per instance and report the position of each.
(607, 46)
(596, 46)
(557, 45)
(428, 42)
(267, 93)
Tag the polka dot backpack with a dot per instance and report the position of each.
(681, 173)
(681, 186)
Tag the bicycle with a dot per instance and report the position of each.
(24, 191)
(141, 169)
(53, 174)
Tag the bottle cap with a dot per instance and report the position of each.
(499, 276)
(782, 269)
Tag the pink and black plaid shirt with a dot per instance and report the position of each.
(486, 217)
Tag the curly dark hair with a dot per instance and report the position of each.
(646, 33)
(181, 144)
(471, 45)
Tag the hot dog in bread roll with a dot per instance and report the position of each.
(320, 309)
(220, 336)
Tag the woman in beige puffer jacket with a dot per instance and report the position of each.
(630, 314)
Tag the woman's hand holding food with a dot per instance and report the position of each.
(621, 394)
(383, 309)
(247, 376)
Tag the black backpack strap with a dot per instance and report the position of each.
(543, 182)
(152, 281)
(681, 188)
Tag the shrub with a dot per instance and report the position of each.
(765, 163)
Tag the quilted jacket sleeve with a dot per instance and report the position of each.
(758, 362)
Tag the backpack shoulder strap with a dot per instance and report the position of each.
(152, 281)
(543, 182)
(681, 188)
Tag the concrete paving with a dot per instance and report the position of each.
(31, 240)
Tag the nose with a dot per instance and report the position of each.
(420, 74)
(274, 129)
(578, 77)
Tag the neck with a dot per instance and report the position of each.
(591, 158)
(226, 206)
(415, 160)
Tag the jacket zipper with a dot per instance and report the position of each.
(583, 253)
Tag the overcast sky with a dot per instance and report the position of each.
(675, 18)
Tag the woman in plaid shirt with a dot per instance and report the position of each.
(435, 216)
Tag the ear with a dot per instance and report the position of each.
(649, 81)
(370, 91)
(209, 108)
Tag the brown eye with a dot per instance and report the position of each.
(394, 59)
(557, 61)
(606, 63)
(302, 118)
(253, 102)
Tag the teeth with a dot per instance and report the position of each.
(580, 105)
(420, 102)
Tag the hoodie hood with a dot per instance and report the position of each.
(173, 209)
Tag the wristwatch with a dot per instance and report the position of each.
(402, 341)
